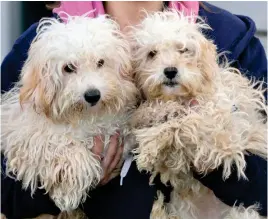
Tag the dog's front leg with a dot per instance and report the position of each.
(158, 153)
(152, 146)
(214, 139)
(74, 169)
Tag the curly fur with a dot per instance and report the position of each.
(47, 126)
(242, 212)
(175, 136)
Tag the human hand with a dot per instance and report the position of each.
(112, 156)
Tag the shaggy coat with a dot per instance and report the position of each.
(206, 116)
(48, 125)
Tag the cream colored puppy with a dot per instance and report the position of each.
(75, 85)
(197, 114)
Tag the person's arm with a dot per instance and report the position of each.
(114, 201)
(232, 191)
(253, 62)
(13, 62)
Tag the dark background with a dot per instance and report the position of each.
(33, 11)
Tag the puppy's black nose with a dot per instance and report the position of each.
(170, 72)
(92, 96)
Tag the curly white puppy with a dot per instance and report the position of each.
(197, 115)
(75, 84)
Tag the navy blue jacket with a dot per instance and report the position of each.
(230, 33)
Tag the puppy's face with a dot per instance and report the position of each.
(78, 68)
(172, 59)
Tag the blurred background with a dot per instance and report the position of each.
(17, 16)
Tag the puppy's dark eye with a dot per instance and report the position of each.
(152, 54)
(100, 63)
(184, 50)
(69, 68)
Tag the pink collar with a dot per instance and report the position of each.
(77, 8)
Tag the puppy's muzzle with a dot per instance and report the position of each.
(92, 96)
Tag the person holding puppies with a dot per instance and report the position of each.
(230, 32)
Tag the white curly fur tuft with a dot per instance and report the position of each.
(245, 213)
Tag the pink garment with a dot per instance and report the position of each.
(76, 8)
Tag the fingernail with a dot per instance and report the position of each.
(97, 138)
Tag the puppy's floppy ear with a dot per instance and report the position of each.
(208, 60)
(37, 84)
(37, 87)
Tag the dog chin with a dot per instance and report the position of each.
(169, 92)
(170, 88)
(94, 109)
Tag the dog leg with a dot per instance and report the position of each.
(159, 210)
(69, 191)
(214, 139)
(154, 146)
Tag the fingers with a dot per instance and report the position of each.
(117, 158)
(113, 165)
(110, 154)
(98, 146)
